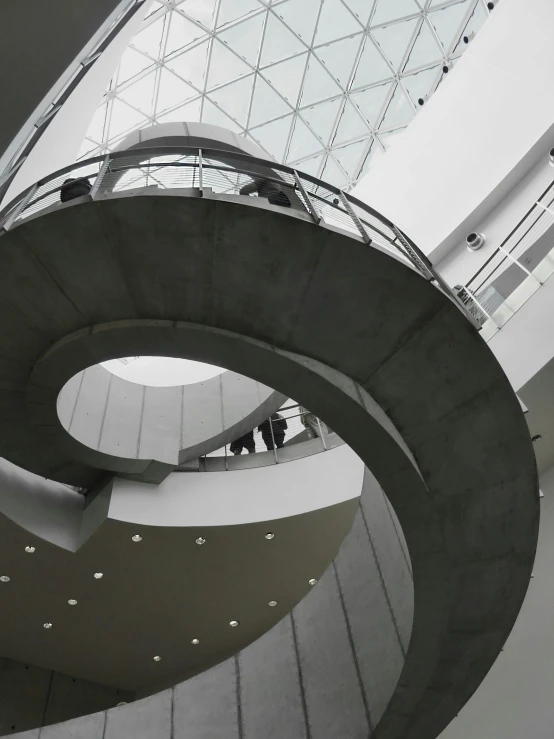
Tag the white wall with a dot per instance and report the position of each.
(241, 496)
(515, 701)
(472, 140)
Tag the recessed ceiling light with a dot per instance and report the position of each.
(200, 540)
(269, 535)
(47, 625)
(72, 602)
(157, 658)
(233, 623)
(4, 578)
(272, 603)
(312, 581)
(136, 538)
(195, 641)
(98, 575)
(30, 550)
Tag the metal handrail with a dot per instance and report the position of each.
(349, 210)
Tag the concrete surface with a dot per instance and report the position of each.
(169, 425)
(347, 331)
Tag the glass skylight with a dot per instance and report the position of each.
(319, 84)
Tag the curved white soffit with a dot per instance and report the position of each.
(241, 496)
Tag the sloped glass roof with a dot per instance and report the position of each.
(326, 85)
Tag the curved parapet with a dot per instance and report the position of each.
(359, 337)
(165, 426)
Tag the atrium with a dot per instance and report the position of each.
(276, 366)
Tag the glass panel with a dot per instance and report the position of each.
(372, 67)
(421, 84)
(225, 66)
(214, 115)
(191, 66)
(286, 77)
(399, 111)
(303, 142)
(335, 22)
(202, 11)
(395, 40)
(245, 38)
(333, 173)
(360, 8)
(172, 91)
(235, 98)
(478, 17)
(448, 22)
(149, 40)
(372, 101)
(351, 125)
(132, 62)
(311, 166)
(425, 50)
(141, 94)
(230, 10)
(322, 118)
(389, 10)
(266, 104)
(274, 136)
(184, 113)
(350, 157)
(318, 84)
(339, 57)
(300, 16)
(124, 118)
(181, 33)
(279, 42)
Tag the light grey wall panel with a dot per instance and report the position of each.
(90, 407)
(87, 727)
(149, 718)
(276, 711)
(391, 560)
(121, 429)
(368, 612)
(206, 706)
(202, 411)
(161, 424)
(331, 685)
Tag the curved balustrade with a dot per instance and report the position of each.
(205, 171)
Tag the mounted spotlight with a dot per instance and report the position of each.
(447, 66)
(423, 100)
(469, 37)
(551, 157)
(474, 241)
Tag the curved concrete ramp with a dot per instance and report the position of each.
(348, 331)
(166, 426)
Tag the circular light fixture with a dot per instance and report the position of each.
(312, 581)
(269, 535)
(157, 658)
(72, 602)
(4, 578)
(30, 550)
(272, 603)
(98, 575)
(47, 625)
(200, 540)
(136, 538)
(195, 641)
(233, 623)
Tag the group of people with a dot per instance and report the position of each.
(273, 432)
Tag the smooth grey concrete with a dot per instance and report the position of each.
(353, 334)
(170, 425)
(31, 696)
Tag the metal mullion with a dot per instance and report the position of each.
(465, 21)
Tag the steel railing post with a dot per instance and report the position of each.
(321, 434)
(359, 225)
(273, 440)
(309, 204)
(100, 177)
(200, 174)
